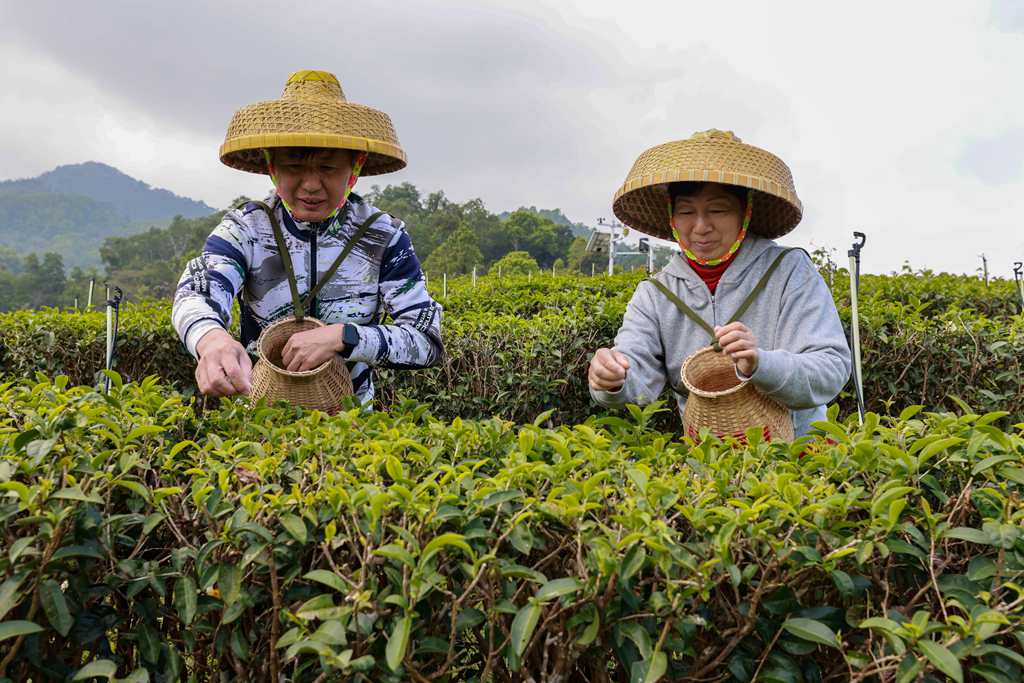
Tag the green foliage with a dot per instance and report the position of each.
(516, 263)
(144, 542)
(149, 264)
(517, 346)
(457, 255)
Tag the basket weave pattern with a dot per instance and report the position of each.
(725, 405)
(312, 112)
(321, 388)
(712, 156)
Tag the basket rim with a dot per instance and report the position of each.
(701, 392)
(291, 373)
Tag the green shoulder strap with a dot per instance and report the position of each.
(286, 259)
(754, 293)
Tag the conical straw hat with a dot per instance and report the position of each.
(709, 156)
(312, 112)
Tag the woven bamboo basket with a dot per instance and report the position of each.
(726, 405)
(321, 388)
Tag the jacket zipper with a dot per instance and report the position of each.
(311, 306)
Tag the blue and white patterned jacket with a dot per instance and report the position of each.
(380, 275)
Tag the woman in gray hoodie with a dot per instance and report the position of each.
(767, 307)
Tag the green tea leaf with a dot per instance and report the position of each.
(13, 629)
(295, 527)
(558, 588)
(329, 579)
(398, 642)
(101, 668)
(523, 626)
(942, 659)
(9, 596)
(55, 606)
(186, 596)
(811, 630)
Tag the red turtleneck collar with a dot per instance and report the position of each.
(709, 274)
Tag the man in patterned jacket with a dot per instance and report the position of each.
(320, 215)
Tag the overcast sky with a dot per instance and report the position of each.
(902, 119)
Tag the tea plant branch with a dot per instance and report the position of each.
(457, 605)
(934, 581)
(275, 622)
(764, 655)
(48, 552)
(745, 629)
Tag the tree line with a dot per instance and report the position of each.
(449, 237)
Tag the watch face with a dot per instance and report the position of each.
(350, 336)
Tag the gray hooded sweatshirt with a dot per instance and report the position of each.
(803, 359)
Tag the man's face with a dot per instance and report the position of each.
(311, 181)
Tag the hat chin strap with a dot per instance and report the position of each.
(357, 168)
(730, 252)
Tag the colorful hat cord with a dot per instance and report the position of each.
(735, 245)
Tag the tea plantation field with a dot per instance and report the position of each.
(488, 523)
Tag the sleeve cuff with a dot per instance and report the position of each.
(197, 331)
(770, 374)
(368, 347)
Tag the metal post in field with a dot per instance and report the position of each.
(444, 286)
(88, 301)
(474, 276)
(858, 372)
(1018, 277)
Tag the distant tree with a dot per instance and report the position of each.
(457, 255)
(544, 240)
(515, 263)
(577, 253)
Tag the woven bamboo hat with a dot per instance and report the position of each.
(312, 112)
(710, 156)
(725, 405)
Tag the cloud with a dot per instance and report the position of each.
(898, 119)
(997, 160)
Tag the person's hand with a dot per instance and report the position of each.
(607, 370)
(312, 348)
(224, 367)
(740, 344)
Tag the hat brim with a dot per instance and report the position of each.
(323, 124)
(642, 203)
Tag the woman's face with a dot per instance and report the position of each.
(709, 221)
(311, 181)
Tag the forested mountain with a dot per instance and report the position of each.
(449, 237)
(70, 210)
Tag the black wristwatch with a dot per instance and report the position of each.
(350, 339)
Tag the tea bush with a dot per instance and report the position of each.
(518, 346)
(143, 542)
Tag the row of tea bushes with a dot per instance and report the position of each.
(142, 542)
(517, 366)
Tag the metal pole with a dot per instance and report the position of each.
(611, 250)
(88, 301)
(1018, 277)
(858, 373)
(444, 286)
(474, 276)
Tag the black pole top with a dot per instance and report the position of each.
(859, 240)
